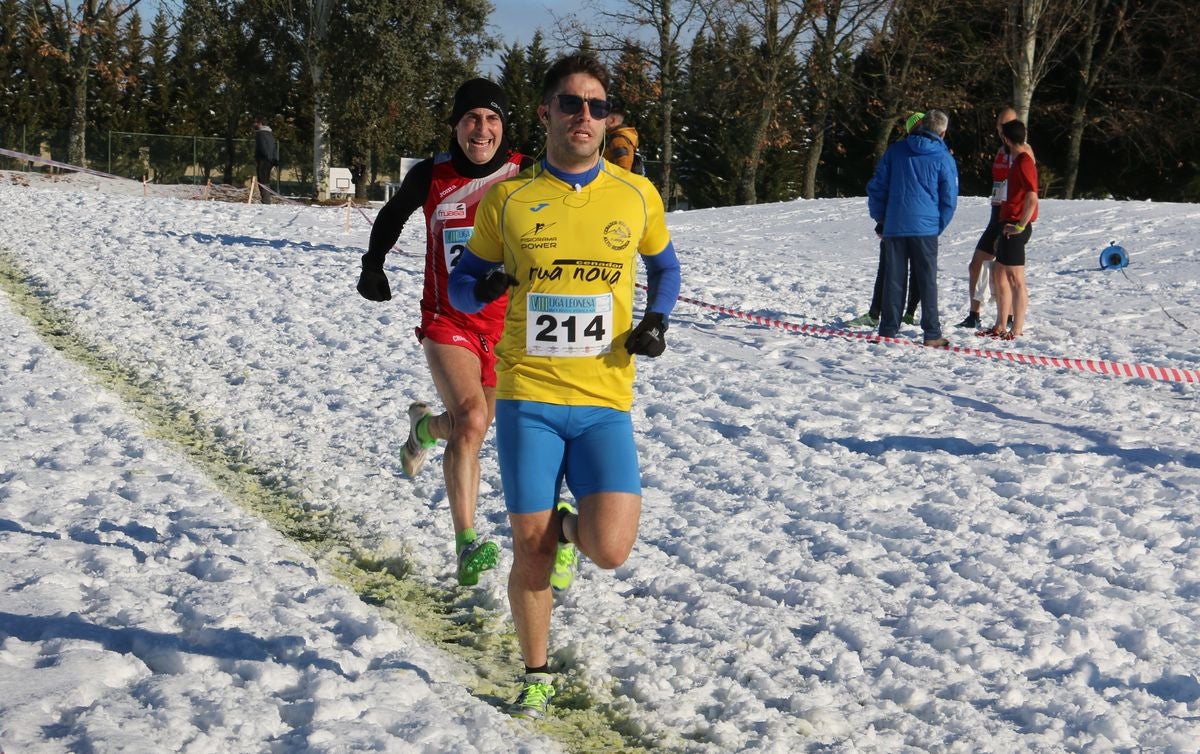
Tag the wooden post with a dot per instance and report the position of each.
(250, 195)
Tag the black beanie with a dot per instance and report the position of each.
(479, 93)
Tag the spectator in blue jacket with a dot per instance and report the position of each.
(914, 193)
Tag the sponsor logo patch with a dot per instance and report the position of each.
(453, 211)
(617, 235)
(535, 237)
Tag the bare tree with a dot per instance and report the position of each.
(836, 28)
(318, 12)
(308, 23)
(86, 16)
(666, 21)
(1037, 30)
(778, 25)
(1103, 22)
(903, 50)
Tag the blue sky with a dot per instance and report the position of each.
(517, 20)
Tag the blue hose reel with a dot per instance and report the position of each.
(1113, 258)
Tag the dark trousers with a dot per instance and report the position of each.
(901, 253)
(914, 289)
(263, 169)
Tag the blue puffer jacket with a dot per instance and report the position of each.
(915, 187)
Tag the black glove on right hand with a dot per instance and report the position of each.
(493, 285)
(373, 285)
(649, 338)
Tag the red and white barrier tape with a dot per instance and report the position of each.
(1111, 368)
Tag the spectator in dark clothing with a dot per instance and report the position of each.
(266, 157)
(914, 192)
(871, 318)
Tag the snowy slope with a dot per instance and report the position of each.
(845, 545)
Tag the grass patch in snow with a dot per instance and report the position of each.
(582, 720)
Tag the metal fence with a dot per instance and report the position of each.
(157, 158)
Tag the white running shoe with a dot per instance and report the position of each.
(412, 455)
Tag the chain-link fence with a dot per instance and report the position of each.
(157, 158)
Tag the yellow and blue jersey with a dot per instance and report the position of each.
(574, 250)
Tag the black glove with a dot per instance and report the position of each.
(373, 285)
(493, 285)
(879, 228)
(649, 337)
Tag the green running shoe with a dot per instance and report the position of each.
(865, 320)
(476, 557)
(566, 558)
(909, 319)
(534, 700)
(413, 454)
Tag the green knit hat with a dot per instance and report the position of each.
(913, 120)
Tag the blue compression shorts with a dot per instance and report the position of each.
(541, 443)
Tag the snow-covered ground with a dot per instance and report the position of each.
(846, 546)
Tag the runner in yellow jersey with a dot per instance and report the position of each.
(565, 235)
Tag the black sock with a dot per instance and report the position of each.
(562, 530)
(543, 669)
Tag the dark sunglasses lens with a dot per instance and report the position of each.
(570, 104)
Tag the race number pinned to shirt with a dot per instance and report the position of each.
(999, 191)
(454, 243)
(558, 325)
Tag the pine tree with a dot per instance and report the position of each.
(522, 128)
(537, 61)
(395, 101)
(44, 93)
(11, 115)
(133, 50)
(713, 111)
(523, 70)
(106, 77)
(640, 93)
(75, 41)
(157, 80)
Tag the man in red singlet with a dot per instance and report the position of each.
(979, 271)
(459, 348)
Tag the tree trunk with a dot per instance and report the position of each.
(1094, 53)
(1079, 108)
(668, 145)
(230, 146)
(1025, 49)
(77, 130)
(666, 73)
(319, 14)
(320, 143)
(747, 192)
(883, 136)
(770, 60)
(813, 160)
(1074, 146)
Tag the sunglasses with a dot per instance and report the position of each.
(572, 104)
